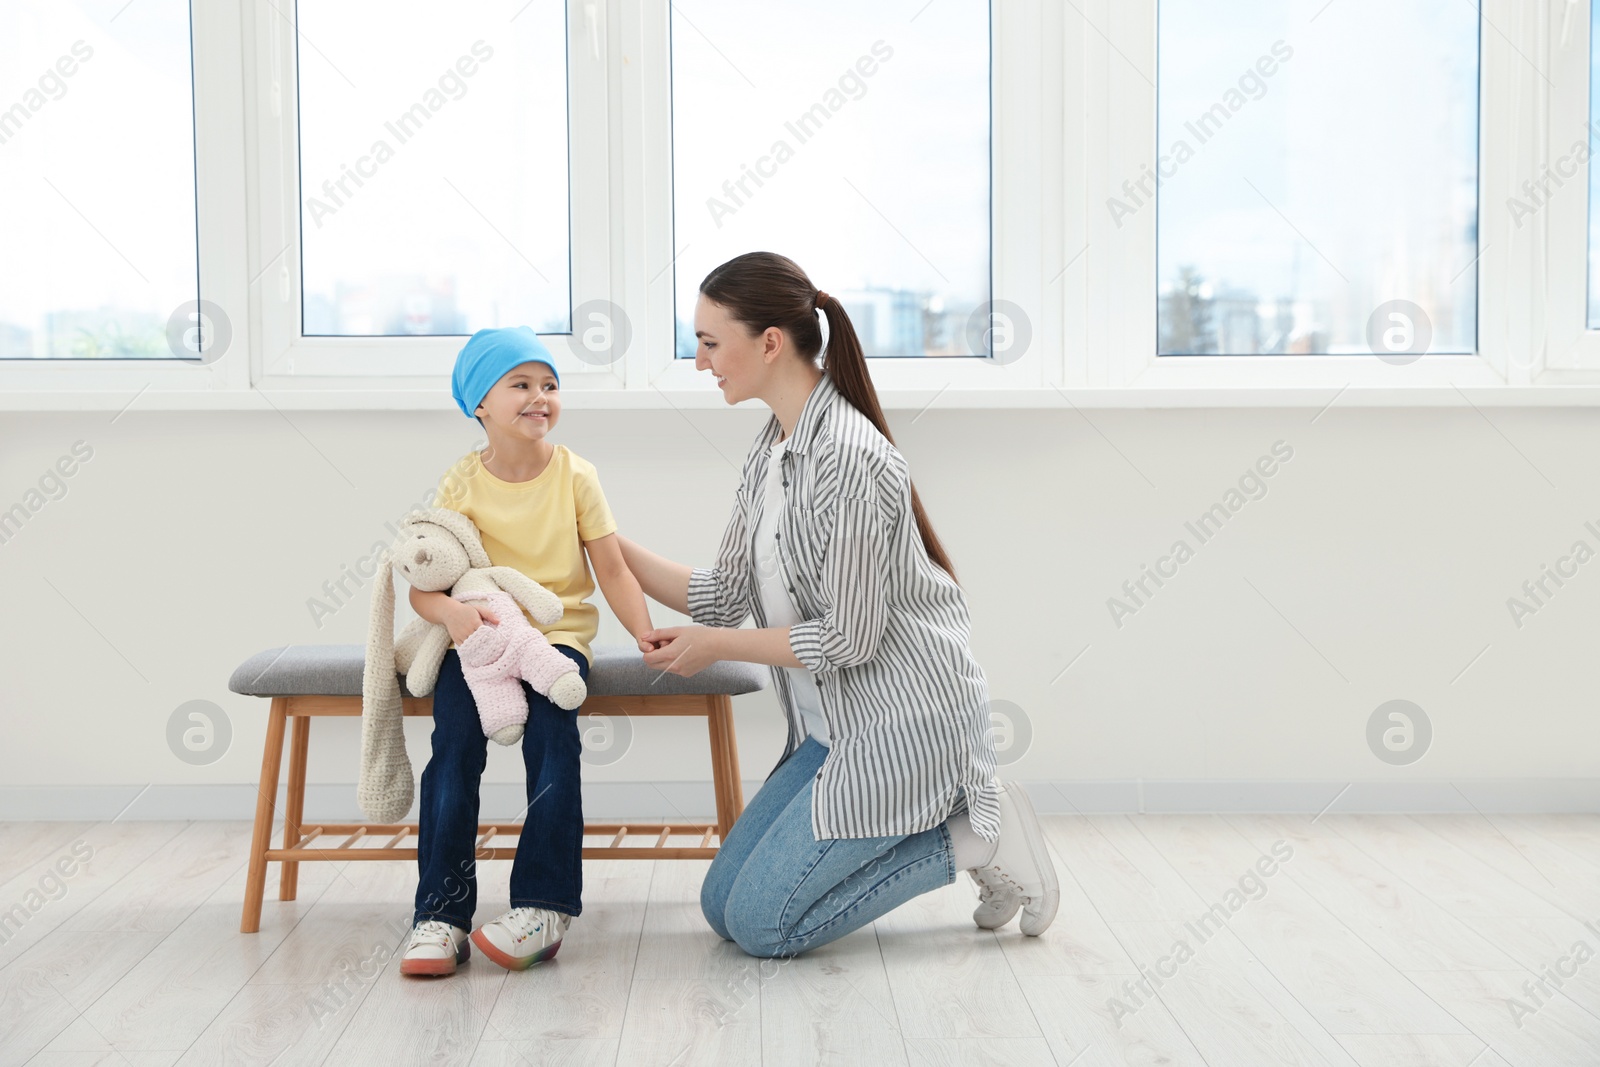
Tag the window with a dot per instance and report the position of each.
(1159, 202)
(433, 168)
(1316, 185)
(97, 169)
(852, 138)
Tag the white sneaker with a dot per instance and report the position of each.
(436, 947)
(522, 936)
(1021, 865)
(997, 901)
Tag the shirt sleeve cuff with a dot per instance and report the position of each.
(703, 595)
(605, 529)
(806, 643)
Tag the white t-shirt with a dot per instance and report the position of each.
(774, 591)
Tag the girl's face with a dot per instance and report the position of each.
(741, 363)
(525, 402)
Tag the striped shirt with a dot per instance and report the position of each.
(884, 629)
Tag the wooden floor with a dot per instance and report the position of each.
(1380, 941)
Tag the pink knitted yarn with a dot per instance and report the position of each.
(495, 657)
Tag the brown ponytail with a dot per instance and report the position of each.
(762, 289)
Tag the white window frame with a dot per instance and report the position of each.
(284, 359)
(1071, 120)
(1573, 348)
(1020, 235)
(116, 384)
(1128, 146)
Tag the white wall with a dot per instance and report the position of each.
(1389, 543)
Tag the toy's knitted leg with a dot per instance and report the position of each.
(489, 664)
(550, 673)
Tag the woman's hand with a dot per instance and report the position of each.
(685, 650)
(467, 616)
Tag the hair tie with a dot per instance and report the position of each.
(820, 299)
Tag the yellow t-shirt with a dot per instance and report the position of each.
(538, 528)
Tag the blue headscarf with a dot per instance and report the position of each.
(486, 358)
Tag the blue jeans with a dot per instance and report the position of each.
(548, 869)
(777, 891)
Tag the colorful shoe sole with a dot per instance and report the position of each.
(429, 968)
(512, 963)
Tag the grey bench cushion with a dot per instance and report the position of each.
(618, 670)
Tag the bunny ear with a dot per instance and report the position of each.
(386, 784)
(378, 684)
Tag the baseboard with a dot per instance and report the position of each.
(693, 801)
(1500, 795)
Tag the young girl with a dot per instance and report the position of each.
(538, 507)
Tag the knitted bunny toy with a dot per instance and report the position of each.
(493, 656)
(439, 549)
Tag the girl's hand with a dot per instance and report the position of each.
(466, 617)
(685, 650)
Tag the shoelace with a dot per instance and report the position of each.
(1004, 876)
(431, 931)
(524, 922)
(988, 892)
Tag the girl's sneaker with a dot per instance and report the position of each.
(522, 936)
(436, 947)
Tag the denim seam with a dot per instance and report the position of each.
(783, 913)
(874, 888)
(902, 873)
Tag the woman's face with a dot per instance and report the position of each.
(741, 363)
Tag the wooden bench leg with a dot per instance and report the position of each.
(724, 765)
(266, 802)
(294, 804)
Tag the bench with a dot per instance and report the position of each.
(307, 681)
